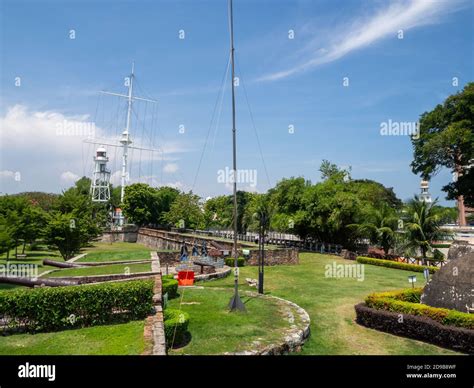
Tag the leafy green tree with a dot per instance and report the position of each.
(446, 140)
(329, 208)
(6, 239)
(423, 226)
(46, 201)
(13, 209)
(380, 226)
(68, 233)
(464, 185)
(33, 222)
(259, 213)
(165, 197)
(218, 212)
(374, 193)
(186, 208)
(139, 205)
(145, 205)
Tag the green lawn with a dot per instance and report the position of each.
(214, 330)
(101, 270)
(117, 251)
(119, 339)
(330, 304)
(35, 257)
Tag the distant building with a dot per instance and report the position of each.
(425, 195)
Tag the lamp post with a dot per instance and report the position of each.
(261, 249)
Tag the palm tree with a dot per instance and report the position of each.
(423, 226)
(380, 227)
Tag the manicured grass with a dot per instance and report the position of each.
(117, 251)
(101, 270)
(330, 304)
(215, 330)
(35, 257)
(119, 339)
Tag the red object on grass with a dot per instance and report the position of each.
(185, 278)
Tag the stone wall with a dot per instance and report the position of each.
(283, 256)
(128, 234)
(154, 331)
(161, 240)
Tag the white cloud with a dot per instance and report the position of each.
(69, 178)
(364, 31)
(7, 174)
(170, 168)
(48, 148)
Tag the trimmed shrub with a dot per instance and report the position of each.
(417, 327)
(176, 326)
(440, 245)
(407, 302)
(169, 286)
(229, 261)
(395, 264)
(55, 308)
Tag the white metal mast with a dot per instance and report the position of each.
(125, 140)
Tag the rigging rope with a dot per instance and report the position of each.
(210, 124)
(254, 126)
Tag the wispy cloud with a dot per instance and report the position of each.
(366, 30)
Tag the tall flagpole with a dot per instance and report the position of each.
(235, 303)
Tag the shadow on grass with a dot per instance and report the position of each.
(187, 337)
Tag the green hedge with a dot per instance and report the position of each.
(176, 325)
(407, 302)
(170, 286)
(395, 264)
(55, 308)
(229, 261)
(440, 245)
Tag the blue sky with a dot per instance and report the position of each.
(289, 82)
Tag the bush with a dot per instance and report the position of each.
(169, 286)
(440, 245)
(407, 302)
(395, 264)
(176, 326)
(229, 261)
(54, 308)
(417, 327)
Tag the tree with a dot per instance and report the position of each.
(463, 186)
(6, 239)
(422, 226)
(380, 226)
(375, 193)
(13, 210)
(218, 212)
(165, 197)
(186, 209)
(68, 233)
(446, 139)
(139, 204)
(259, 208)
(33, 223)
(145, 205)
(330, 170)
